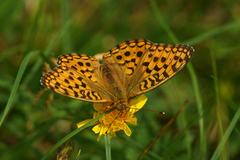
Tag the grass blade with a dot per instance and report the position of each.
(78, 155)
(162, 21)
(46, 52)
(16, 84)
(34, 28)
(216, 87)
(27, 142)
(200, 108)
(213, 32)
(70, 135)
(66, 41)
(226, 135)
(192, 74)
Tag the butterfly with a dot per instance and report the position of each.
(130, 69)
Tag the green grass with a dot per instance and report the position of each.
(16, 84)
(70, 135)
(33, 31)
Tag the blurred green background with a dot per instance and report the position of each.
(38, 30)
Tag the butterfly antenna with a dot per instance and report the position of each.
(152, 111)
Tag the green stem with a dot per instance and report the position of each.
(107, 146)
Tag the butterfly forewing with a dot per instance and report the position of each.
(159, 63)
(77, 77)
(127, 56)
(85, 65)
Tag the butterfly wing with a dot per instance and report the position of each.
(159, 63)
(123, 60)
(77, 76)
(142, 66)
(135, 66)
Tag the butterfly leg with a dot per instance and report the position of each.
(118, 115)
(109, 107)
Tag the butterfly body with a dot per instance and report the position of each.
(130, 69)
(115, 87)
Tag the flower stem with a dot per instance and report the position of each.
(107, 146)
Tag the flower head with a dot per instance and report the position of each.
(115, 120)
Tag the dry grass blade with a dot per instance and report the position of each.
(163, 130)
(39, 94)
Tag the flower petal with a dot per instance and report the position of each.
(127, 130)
(115, 120)
(112, 134)
(96, 129)
(80, 124)
(132, 120)
(138, 103)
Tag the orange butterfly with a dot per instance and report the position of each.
(130, 69)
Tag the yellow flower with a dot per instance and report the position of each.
(115, 120)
